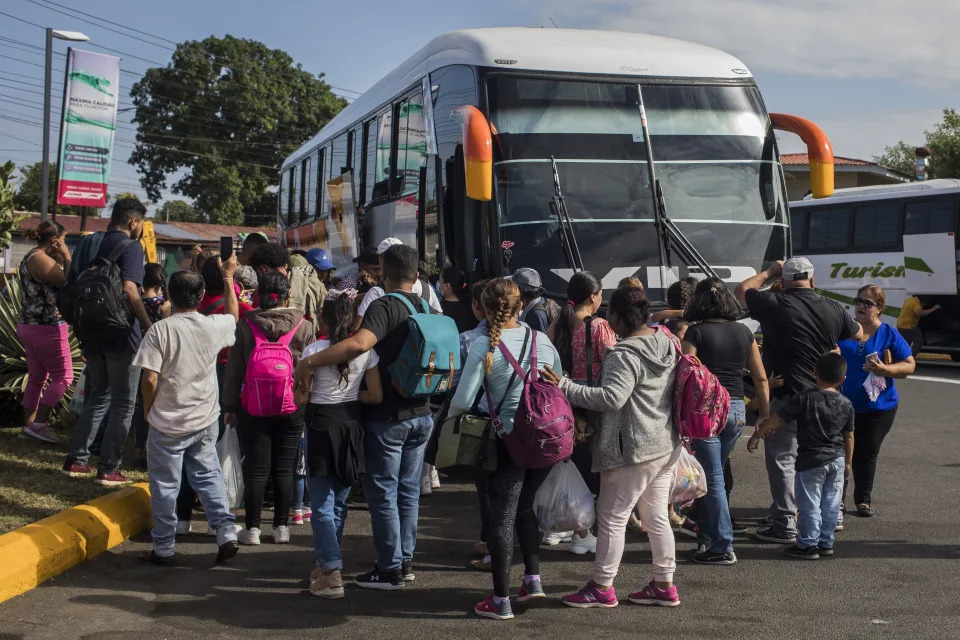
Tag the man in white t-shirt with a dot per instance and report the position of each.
(377, 292)
(178, 356)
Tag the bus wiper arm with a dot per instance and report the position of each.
(568, 239)
(675, 240)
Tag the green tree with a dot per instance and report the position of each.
(900, 157)
(8, 219)
(944, 143)
(125, 194)
(28, 197)
(226, 111)
(179, 211)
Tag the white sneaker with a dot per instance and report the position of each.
(281, 535)
(426, 487)
(183, 527)
(553, 539)
(434, 478)
(249, 537)
(581, 546)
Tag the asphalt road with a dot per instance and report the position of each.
(895, 576)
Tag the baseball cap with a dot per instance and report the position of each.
(386, 244)
(797, 269)
(527, 278)
(367, 256)
(320, 259)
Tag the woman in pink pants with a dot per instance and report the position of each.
(43, 333)
(635, 450)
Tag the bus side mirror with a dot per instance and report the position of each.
(819, 150)
(477, 152)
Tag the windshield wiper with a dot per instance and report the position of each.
(669, 236)
(568, 239)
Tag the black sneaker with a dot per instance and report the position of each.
(825, 551)
(407, 571)
(800, 553)
(738, 529)
(380, 580)
(227, 550)
(769, 534)
(160, 561)
(711, 557)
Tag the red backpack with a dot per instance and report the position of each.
(700, 403)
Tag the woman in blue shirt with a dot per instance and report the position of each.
(874, 417)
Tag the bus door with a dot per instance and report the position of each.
(930, 263)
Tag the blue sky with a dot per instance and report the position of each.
(870, 72)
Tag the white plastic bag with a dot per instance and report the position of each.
(228, 449)
(691, 480)
(564, 502)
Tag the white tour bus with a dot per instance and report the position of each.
(493, 149)
(901, 237)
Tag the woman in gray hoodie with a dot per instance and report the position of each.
(635, 450)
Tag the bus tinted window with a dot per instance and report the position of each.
(877, 227)
(338, 161)
(452, 87)
(283, 196)
(322, 184)
(829, 230)
(356, 164)
(934, 216)
(381, 174)
(295, 190)
(308, 205)
(370, 159)
(798, 230)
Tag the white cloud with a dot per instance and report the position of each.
(907, 41)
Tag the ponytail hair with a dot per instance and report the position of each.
(154, 276)
(48, 230)
(455, 278)
(581, 286)
(501, 301)
(273, 290)
(339, 314)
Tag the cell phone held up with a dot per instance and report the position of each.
(226, 247)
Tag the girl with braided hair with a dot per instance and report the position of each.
(510, 489)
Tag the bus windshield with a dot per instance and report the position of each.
(714, 156)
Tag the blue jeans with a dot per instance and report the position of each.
(328, 501)
(197, 454)
(394, 456)
(715, 525)
(819, 492)
(112, 384)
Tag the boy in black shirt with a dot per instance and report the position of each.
(824, 420)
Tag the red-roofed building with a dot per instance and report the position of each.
(847, 172)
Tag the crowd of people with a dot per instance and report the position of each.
(302, 364)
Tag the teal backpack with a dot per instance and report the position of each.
(430, 356)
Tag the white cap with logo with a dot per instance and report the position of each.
(797, 269)
(386, 244)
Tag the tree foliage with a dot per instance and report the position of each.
(179, 211)
(29, 195)
(900, 157)
(9, 221)
(226, 111)
(944, 143)
(124, 195)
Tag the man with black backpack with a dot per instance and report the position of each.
(109, 318)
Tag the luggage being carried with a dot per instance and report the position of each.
(543, 428)
(429, 357)
(268, 384)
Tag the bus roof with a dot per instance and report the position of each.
(533, 49)
(886, 191)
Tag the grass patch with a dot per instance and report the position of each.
(31, 485)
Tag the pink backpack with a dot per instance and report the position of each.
(700, 403)
(268, 386)
(543, 424)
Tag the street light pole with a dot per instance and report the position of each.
(74, 36)
(47, 71)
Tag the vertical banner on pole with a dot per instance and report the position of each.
(87, 126)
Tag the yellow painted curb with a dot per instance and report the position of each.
(41, 550)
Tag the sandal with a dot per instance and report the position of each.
(864, 510)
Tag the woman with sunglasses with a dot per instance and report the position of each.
(875, 400)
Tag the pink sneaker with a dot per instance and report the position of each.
(655, 596)
(113, 479)
(306, 514)
(296, 517)
(591, 596)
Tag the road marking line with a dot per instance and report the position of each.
(934, 379)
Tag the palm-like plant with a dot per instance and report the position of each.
(13, 360)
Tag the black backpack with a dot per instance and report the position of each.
(95, 302)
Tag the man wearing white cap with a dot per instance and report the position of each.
(799, 325)
(377, 292)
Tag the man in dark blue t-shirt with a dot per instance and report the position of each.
(112, 381)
